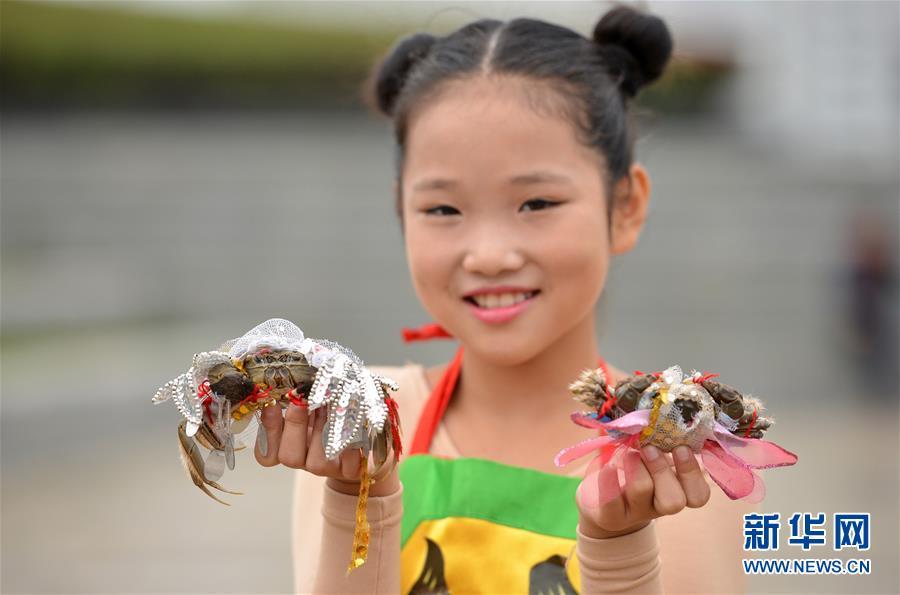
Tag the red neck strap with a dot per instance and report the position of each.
(436, 405)
(442, 392)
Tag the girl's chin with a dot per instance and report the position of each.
(503, 346)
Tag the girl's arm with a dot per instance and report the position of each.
(333, 538)
(623, 553)
(625, 564)
(324, 509)
(381, 572)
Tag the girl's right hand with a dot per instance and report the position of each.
(652, 489)
(295, 441)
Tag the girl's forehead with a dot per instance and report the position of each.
(473, 103)
(492, 127)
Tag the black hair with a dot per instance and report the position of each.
(595, 78)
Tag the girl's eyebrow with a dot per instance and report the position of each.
(534, 177)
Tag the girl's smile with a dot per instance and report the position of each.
(495, 305)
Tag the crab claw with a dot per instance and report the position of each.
(193, 464)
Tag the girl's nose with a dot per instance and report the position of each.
(491, 258)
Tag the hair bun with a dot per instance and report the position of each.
(636, 44)
(396, 66)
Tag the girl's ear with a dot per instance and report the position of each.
(632, 195)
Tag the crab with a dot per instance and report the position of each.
(740, 413)
(222, 394)
(668, 409)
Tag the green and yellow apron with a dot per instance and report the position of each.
(472, 525)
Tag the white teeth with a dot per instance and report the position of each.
(500, 300)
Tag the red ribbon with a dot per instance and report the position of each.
(425, 332)
(295, 397)
(706, 376)
(752, 421)
(610, 401)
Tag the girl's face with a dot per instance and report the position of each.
(500, 200)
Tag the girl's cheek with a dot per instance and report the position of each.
(430, 263)
(578, 266)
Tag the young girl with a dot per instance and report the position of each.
(515, 186)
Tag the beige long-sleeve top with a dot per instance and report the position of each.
(698, 550)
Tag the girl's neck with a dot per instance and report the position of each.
(531, 390)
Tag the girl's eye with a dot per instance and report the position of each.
(442, 210)
(538, 204)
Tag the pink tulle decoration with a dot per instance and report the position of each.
(728, 459)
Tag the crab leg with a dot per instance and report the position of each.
(193, 464)
(729, 399)
(629, 391)
(743, 409)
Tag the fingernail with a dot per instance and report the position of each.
(262, 441)
(269, 413)
(588, 494)
(650, 453)
(683, 454)
(609, 486)
(632, 463)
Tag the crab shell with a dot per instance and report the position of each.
(278, 369)
(686, 415)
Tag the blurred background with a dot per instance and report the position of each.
(175, 172)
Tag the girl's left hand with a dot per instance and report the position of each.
(652, 489)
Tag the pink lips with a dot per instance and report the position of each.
(498, 315)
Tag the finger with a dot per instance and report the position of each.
(668, 497)
(273, 424)
(292, 451)
(638, 484)
(694, 484)
(388, 465)
(612, 513)
(351, 464)
(315, 455)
